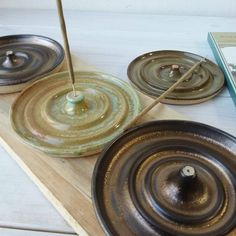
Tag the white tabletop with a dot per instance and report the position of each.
(108, 41)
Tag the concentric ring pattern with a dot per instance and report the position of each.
(31, 56)
(44, 118)
(153, 73)
(167, 178)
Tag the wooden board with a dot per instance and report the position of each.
(65, 182)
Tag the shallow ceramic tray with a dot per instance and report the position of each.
(44, 115)
(25, 58)
(154, 72)
(165, 177)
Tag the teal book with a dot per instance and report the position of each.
(223, 45)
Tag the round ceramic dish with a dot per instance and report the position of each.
(25, 58)
(153, 73)
(167, 178)
(48, 117)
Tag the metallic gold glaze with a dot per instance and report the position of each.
(49, 118)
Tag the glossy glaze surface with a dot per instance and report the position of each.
(167, 178)
(154, 72)
(24, 58)
(47, 116)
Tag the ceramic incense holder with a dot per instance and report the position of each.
(167, 178)
(49, 117)
(25, 58)
(153, 73)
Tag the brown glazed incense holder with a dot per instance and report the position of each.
(25, 58)
(167, 178)
(154, 72)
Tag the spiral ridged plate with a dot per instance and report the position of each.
(24, 58)
(44, 118)
(167, 178)
(154, 72)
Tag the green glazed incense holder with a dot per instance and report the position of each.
(50, 118)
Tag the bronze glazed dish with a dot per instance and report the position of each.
(167, 178)
(154, 72)
(48, 117)
(25, 58)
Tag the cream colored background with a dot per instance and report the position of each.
(165, 7)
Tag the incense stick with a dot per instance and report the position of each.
(66, 44)
(163, 95)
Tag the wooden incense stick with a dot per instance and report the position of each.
(66, 44)
(163, 95)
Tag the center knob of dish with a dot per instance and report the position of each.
(188, 183)
(188, 172)
(188, 187)
(175, 72)
(75, 103)
(12, 60)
